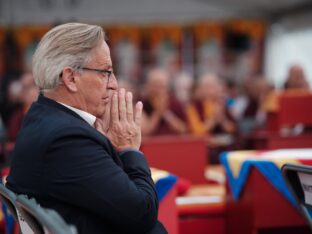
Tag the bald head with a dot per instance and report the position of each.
(296, 78)
(158, 82)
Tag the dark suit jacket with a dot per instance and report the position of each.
(67, 165)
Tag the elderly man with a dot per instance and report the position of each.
(162, 113)
(77, 151)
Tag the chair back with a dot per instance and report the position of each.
(295, 109)
(41, 220)
(8, 198)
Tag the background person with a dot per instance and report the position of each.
(162, 114)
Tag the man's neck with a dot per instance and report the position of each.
(71, 103)
(62, 96)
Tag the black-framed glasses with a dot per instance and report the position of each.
(102, 71)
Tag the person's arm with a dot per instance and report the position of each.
(196, 126)
(228, 125)
(84, 174)
(150, 123)
(127, 198)
(174, 122)
(209, 124)
(223, 118)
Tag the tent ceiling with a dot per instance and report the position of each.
(256, 5)
(144, 11)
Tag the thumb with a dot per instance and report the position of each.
(99, 126)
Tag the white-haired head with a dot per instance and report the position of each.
(182, 87)
(67, 45)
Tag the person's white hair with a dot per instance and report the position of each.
(67, 45)
(182, 87)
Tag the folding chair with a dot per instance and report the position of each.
(41, 220)
(8, 198)
(299, 181)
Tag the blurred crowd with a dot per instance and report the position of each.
(175, 103)
(207, 106)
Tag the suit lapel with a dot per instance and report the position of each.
(105, 141)
(49, 102)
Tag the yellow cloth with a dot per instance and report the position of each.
(197, 126)
(270, 103)
(158, 174)
(237, 158)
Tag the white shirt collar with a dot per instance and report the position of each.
(89, 118)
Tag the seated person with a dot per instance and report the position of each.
(29, 93)
(296, 79)
(295, 84)
(77, 151)
(162, 113)
(257, 91)
(208, 112)
(183, 87)
(208, 115)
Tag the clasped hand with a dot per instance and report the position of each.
(124, 129)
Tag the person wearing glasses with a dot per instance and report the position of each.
(78, 149)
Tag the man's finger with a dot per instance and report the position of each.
(138, 113)
(114, 109)
(122, 105)
(129, 107)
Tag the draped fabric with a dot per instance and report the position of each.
(239, 163)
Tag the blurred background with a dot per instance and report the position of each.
(225, 59)
(197, 33)
(236, 74)
(249, 47)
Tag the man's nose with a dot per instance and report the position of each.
(112, 82)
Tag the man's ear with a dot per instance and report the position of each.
(69, 79)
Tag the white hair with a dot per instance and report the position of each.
(67, 45)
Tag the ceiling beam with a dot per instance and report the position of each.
(301, 8)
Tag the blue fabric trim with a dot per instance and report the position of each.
(8, 218)
(268, 169)
(236, 184)
(163, 185)
(273, 174)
